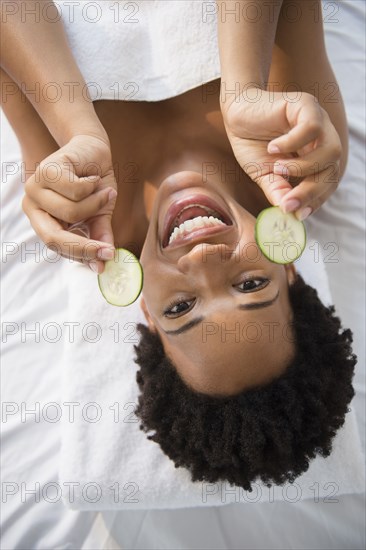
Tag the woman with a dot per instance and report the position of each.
(226, 407)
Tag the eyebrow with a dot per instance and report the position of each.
(198, 320)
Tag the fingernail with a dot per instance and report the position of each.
(291, 205)
(277, 196)
(106, 253)
(92, 178)
(112, 194)
(304, 213)
(273, 149)
(93, 266)
(280, 169)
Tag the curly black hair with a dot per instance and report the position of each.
(269, 432)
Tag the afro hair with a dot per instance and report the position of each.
(269, 432)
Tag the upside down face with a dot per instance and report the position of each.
(220, 307)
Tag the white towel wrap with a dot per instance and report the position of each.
(132, 50)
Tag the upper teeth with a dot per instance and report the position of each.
(191, 225)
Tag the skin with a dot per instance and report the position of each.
(159, 149)
(144, 178)
(212, 277)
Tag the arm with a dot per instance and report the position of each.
(268, 128)
(75, 183)
(246, 37)
(35, 52)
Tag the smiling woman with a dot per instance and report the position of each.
(216, 282)
(244, 373)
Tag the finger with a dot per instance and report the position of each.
(65, 183)
(297, 138)
(274, 187)
(97, 266)
(70, 211)
(319, 159)
(75, 189)
(67, 244)
(101, 229)
(310, 193)
(306, 120)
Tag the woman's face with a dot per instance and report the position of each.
(220, 307)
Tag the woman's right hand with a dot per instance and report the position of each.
(75, 184)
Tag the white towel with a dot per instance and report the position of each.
(142, 50)
(108, 463)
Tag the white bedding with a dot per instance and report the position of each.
(33, 292)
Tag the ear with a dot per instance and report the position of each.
(148, 317)
(291, 273)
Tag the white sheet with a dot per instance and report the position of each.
(31, 373)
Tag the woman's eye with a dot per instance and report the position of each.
(250, 285)
(178, 308)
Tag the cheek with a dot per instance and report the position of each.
(155, 285)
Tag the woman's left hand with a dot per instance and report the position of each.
(279, 140)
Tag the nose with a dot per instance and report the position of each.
(205, 259)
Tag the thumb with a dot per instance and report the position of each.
(101, 229)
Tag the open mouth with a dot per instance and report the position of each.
(194, 217)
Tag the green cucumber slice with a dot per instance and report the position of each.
(122, 278)
(281, 237)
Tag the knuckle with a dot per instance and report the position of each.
(70, 214)
(285, 144)
(296, 169)
(63, 158)
(333, 173)
(26, 187)
(314, 126)
(103, 199)
(76, 192)
(29, 185)
(337, 150)
(38, 172)
(24, 204)
(311, 196)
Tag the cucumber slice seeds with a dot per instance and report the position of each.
(122, 278)
(281, 237)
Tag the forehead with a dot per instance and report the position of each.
(228, 366)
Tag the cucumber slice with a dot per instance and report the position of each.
(122, 278)
(281, 237)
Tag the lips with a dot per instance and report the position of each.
(188, 208)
